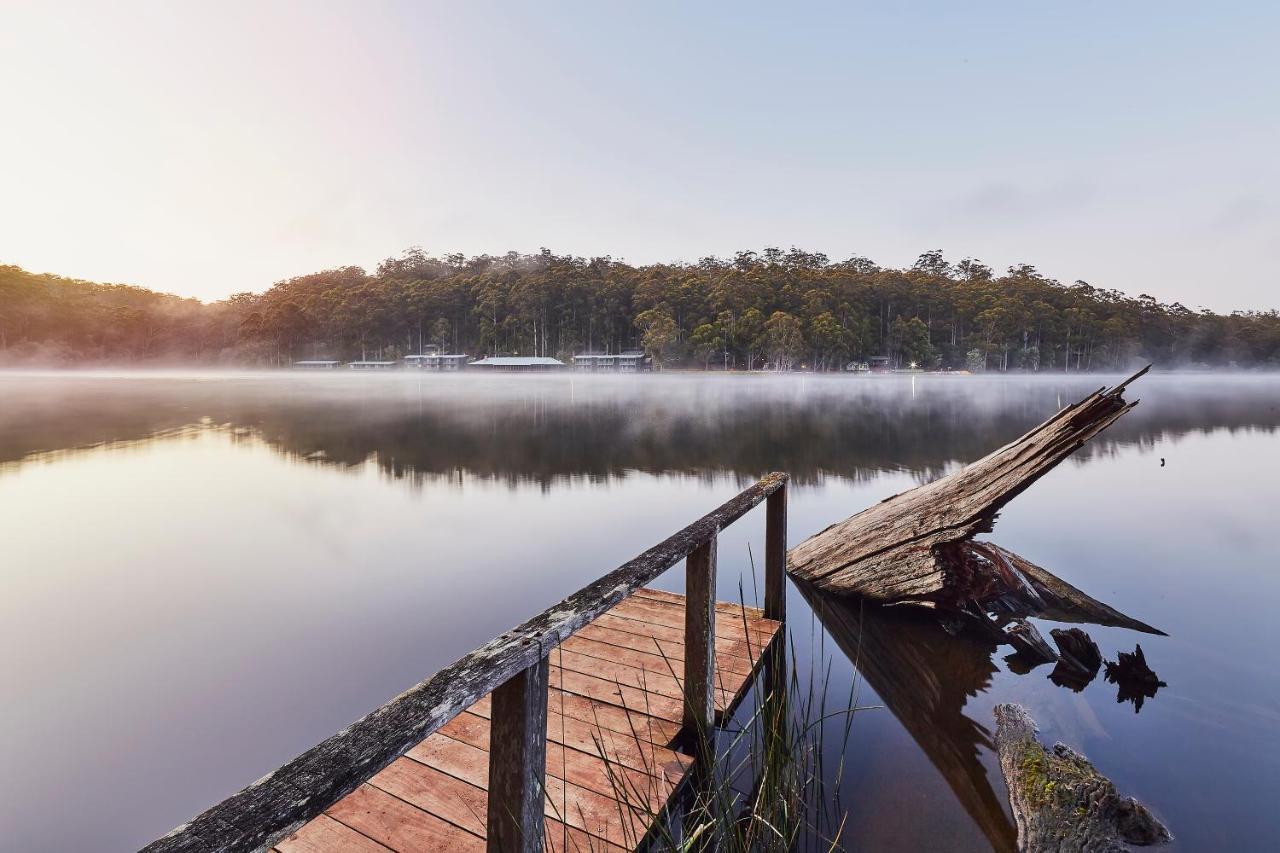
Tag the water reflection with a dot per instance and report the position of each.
(925, 676)
(543, 429)
(238, 571)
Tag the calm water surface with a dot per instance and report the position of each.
(202, 575)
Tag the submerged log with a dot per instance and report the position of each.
(1060, 801)
(915, 546)
(1059, 601)
(1079, 659)
(1135, 679)
(1030, 645)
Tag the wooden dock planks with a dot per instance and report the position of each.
(615, 707)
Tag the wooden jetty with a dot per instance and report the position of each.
(579, 730)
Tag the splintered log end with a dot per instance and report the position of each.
(903, 548)
(1060, 802)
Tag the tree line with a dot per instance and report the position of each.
(783, 310)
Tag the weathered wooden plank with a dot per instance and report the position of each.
(282, 801)
(622, 695)
(576, 779)
(671, 640)
(775, 556)
(651, 661)
(699, 640)
(326, 835)
(597, 814)
(399, 825)
(655, 682)
(641, 767)
(612, 718)
(633, 753)
(663, 614)
(517, 759)
(464, 805)
(754, 616)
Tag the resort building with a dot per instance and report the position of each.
(372, 365)
(436, 361)
(630, 361)
(316, 365)
(519, 363)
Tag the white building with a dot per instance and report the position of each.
(519, 363)
(436, 361)
(630, 361)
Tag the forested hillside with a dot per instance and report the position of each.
(786, 310)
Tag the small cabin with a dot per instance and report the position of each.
(522, 364)
(436, 361)
(316, 364)
(878, 363)
(372, 365)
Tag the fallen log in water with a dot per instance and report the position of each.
(1060, 801)
(917, 547)
(1078, 659)
(1135, 679)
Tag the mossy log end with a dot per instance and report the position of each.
(1060, 801)
(915, 545)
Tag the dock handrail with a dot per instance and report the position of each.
(514, 667)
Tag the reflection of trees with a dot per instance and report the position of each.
(540, 431)
(924, 676)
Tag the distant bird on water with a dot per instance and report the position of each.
(1161, 461)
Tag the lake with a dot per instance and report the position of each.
(202, 574)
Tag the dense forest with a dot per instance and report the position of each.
(778, 310)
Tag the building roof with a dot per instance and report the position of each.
(371, 362)
(437, 355)
(519, 361)
(317, 361)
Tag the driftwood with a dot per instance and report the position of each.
(1030, 645)
(1135, 679)
(1060, 801)
(912, 546)
(1078, 659)
(916, 548)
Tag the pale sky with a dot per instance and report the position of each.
(208, 148)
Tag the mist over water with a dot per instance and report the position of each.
(203, 574)
(544, 428)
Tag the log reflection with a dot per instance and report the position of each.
(925, 676)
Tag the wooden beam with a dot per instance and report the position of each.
(775, 556)
(699, 640)
(288, 797)
(518, 762)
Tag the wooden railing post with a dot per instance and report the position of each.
(518, 762)
(700, 640)
(775, 555)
